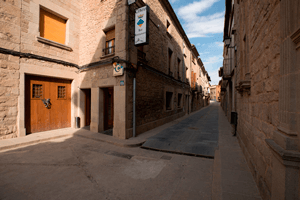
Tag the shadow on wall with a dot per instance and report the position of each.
(150, 95)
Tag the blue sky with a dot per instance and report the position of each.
(203, 22)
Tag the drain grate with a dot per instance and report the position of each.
(193, 128)
(164, 157)
(118, 154)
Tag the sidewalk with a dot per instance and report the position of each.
(232, 178)
(70, 132)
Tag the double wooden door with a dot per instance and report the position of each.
(47, 103)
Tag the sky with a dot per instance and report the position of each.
(203, 22)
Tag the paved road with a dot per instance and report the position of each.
(80, 168)
(196, 135)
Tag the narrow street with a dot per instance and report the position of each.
(196, 135)
(78, 168)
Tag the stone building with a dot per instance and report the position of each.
(215, 91)
(57, 62)
(260, 83)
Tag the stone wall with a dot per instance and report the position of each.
(19, 31)
(9, 67)
(152, 86)
(258, 60)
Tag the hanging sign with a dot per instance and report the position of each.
(118, 69)
(141, 26)
(131, 2)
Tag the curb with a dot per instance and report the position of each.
(114, 143)
(32, 142)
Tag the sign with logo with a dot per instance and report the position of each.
(131, 2)
(122, 83)
(118, 69)
(141, 26)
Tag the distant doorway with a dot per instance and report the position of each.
(108, 108)
(88, 117)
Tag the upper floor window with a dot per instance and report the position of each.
(110, 42)
(170, 61)
(168, 26)
(52, 26)
(178, 68)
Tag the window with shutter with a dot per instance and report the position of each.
(110, 42)
(52, 27)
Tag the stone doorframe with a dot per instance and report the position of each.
(285, 143)
(49, 72)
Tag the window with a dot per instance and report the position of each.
(37, 91)
(179, 100)
(170, 61)
(169, 100)
(193, 59)
(61, 92)
(178, 68)
(168, 26)
(52, 26)
(110, 42)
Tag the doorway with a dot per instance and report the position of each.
(47, 103)
(87, 93)
(108, 108)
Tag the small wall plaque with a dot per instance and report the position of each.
(122, 83)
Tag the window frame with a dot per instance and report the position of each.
(57, 15)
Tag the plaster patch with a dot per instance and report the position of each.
(144, 168)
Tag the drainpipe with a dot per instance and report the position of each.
(134, 88)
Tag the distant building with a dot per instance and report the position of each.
(215, 92)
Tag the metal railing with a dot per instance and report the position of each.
(109, 50)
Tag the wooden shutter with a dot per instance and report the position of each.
(52, 27)
(110, 35)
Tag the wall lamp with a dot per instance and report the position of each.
(227, 41)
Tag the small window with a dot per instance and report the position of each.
(37, 91)
(52, 27)
(178, 68)
(168, 25)
(169, 100)
(61, 92)
(170, 61)
(110, 42)
(179, 100)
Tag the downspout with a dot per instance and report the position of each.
(134, 125)
(134, 80)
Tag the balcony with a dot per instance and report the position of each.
(228, 67)
(194, 86)
(221, 72)
(108, 51)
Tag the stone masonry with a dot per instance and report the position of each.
(262, 91)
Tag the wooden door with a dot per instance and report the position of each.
(57, 114)
(108, 108)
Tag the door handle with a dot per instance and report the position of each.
(46, 102)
